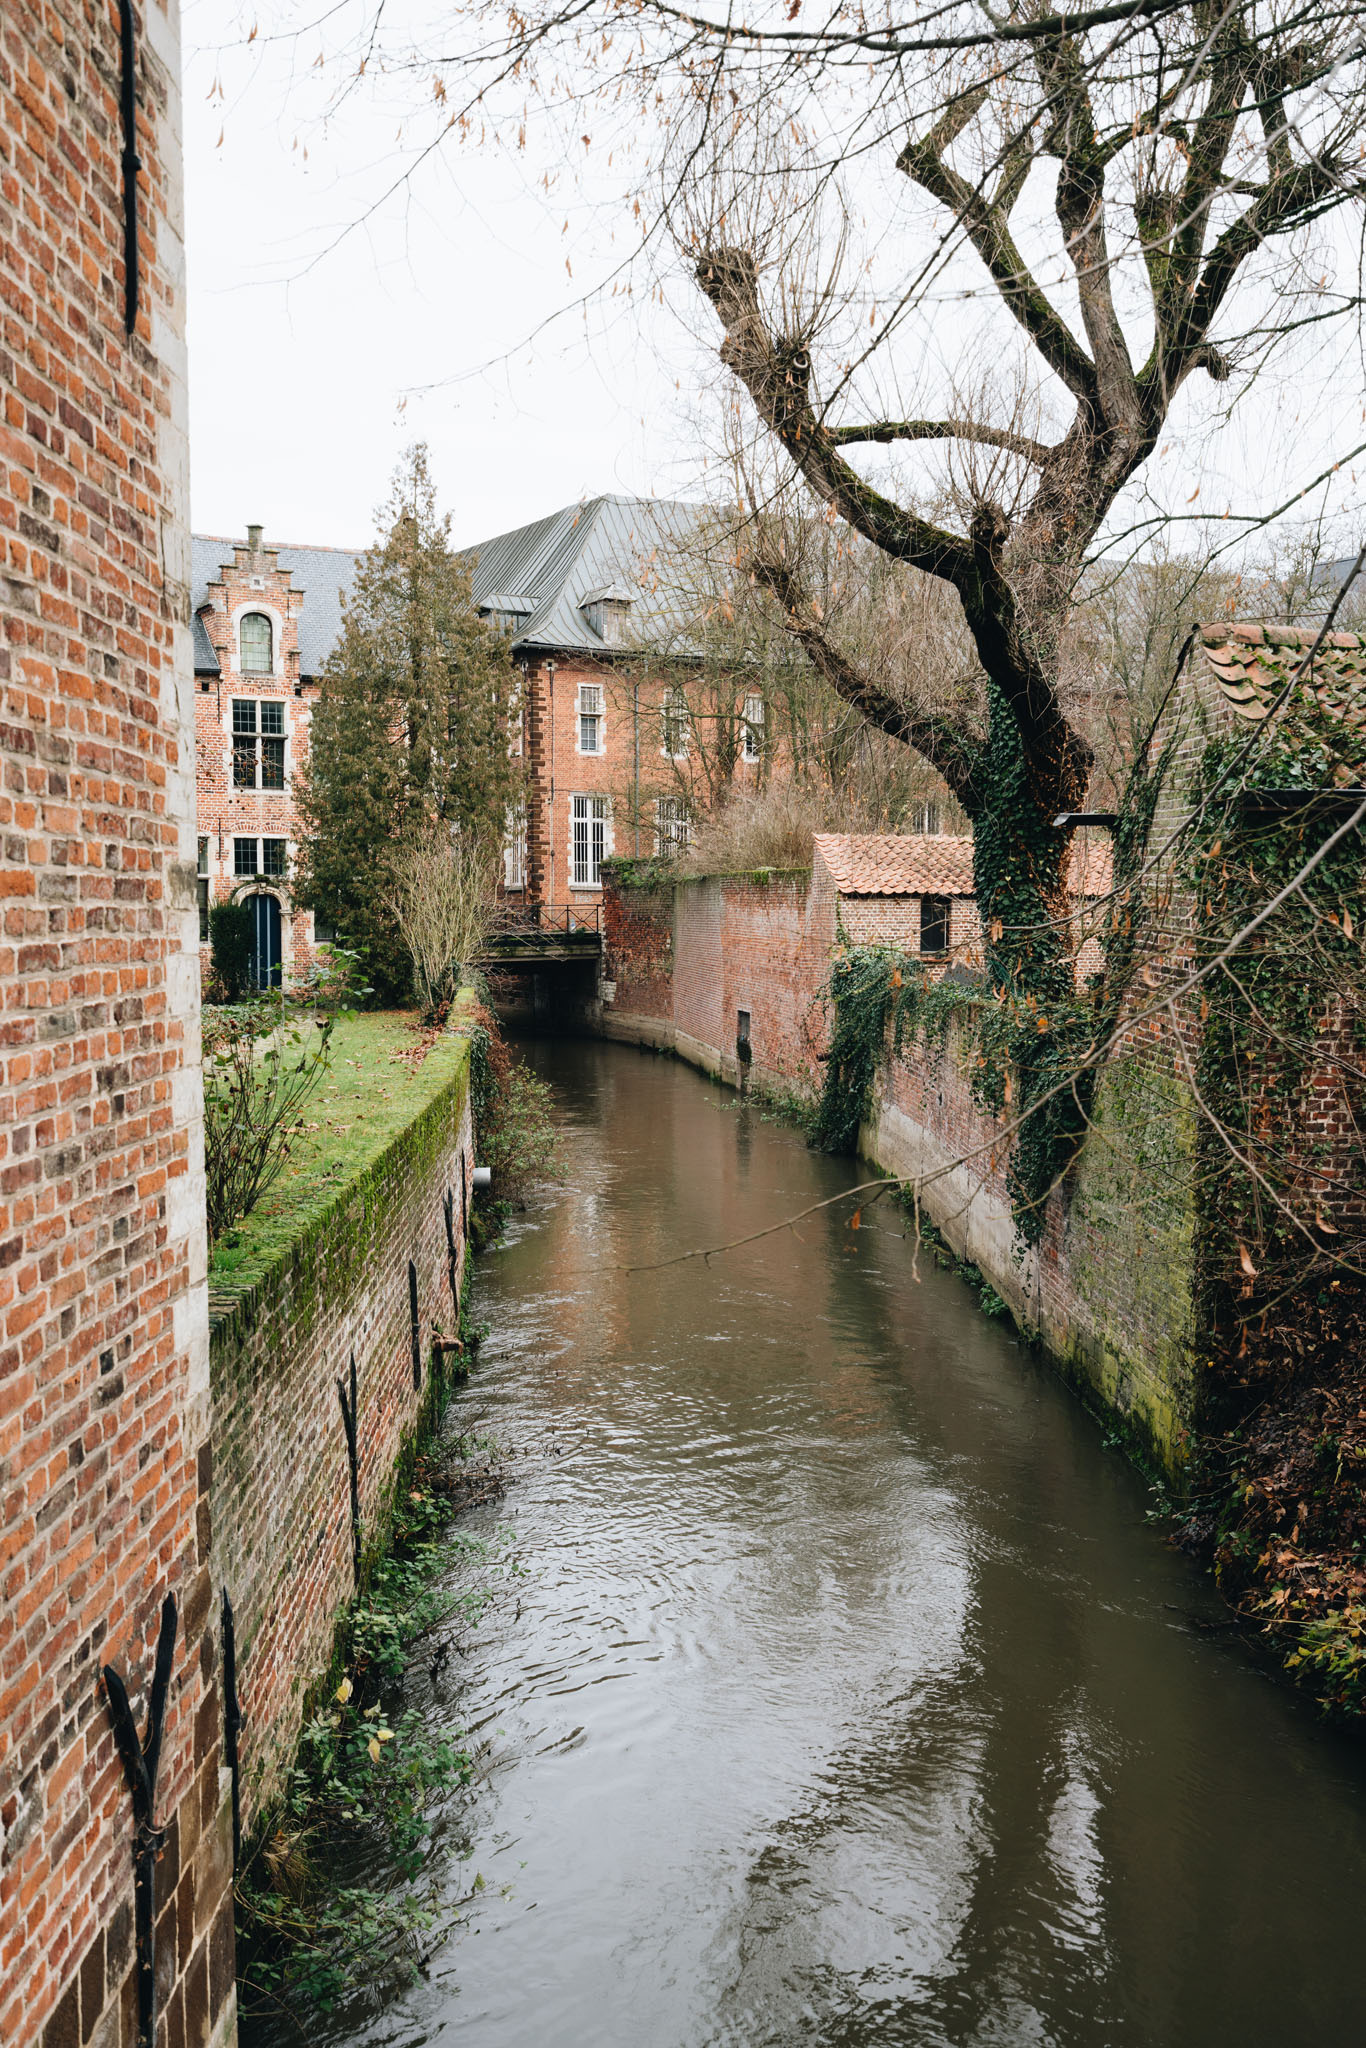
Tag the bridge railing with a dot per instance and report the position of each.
(548, 920)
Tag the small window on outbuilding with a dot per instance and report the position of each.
(255, 640)
(934, 924)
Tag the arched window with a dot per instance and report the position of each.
(254, 637)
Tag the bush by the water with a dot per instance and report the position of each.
(511, 1107)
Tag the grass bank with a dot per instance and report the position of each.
(385, 1069)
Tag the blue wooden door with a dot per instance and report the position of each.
(266, 955)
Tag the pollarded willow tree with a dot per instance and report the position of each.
(1143, 192)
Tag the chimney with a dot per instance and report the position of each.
(254, 539)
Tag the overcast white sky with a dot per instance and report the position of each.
(309, 371)
(319, 348)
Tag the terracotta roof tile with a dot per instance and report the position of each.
(934, 864)
(898, 864)
(1090, 872)
(1252, 664)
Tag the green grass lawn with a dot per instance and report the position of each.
(384, 1070)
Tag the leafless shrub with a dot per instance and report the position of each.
(443, 896)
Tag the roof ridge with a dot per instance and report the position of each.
(298, 547)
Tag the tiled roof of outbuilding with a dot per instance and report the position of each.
(935, 864)
(898, 863)
(1253, 663)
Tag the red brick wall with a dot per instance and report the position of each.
(282, 1528)
(632, 769)
(250, 580)
(103, 1326)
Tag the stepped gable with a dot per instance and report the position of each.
(1253, 664)
(935, 864)
(322, 575)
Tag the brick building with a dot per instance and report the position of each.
(104, 1382)
(618, 706)
(593, 600)
(265, 620)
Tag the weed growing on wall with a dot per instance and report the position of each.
(515, 1130)
(368, 1773)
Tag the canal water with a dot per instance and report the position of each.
(849, 1696)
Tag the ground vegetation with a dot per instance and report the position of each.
(263, 1063)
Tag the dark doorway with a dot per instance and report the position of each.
(265, 944)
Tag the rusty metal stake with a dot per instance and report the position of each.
(140, 1761)
(232, 1723)
(348, 1409)
(452, 1258)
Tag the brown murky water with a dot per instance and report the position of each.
(849, 1698)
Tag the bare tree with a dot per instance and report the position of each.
(444, 899)
(1144, 191)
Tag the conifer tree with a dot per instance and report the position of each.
(411, 728)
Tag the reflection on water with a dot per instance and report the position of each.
(850, 1699)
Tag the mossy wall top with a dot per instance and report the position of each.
(325, 1276)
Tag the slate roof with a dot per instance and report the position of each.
(935, 864)
(547, 571)
(559, 563)
(322, 574)
(1251, 664)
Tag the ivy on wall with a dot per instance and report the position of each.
(1035, 1039)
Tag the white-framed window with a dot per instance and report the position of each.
(258, 743)
(673, 724)
(202, 890)
(588, 840)
(256, 644)
(251, 857)
(514, 851)
(590, 718)
(752, 745)
(673, 824)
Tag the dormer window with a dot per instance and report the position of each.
(607, 613)
(256, 642)
(505, 610)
